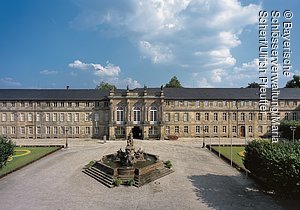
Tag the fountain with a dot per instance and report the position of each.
(128, 166)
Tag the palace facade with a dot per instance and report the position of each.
(149, 113)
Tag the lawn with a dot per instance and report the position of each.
(21, 160)
(236, 158)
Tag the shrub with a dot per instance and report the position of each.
(277, 164)
(118, 182)
(172, 137)
(130, 182)
(168, 164)
(6, 149)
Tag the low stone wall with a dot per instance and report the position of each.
(105, 168)
(149, 168)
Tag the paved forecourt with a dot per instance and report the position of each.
(200, 181)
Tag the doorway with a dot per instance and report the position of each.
(137, 132)
(242, 131)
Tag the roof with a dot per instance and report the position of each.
(226, 93)
(53, 94)
(169, 93)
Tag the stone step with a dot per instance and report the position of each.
(101, 173)
(154, 176)
(99, 178)
(108, 179)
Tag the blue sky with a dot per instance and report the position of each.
(205, 43)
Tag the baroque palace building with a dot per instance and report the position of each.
(149, 113)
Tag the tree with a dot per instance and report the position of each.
(253, 85)
(6, 150)
(294, 83)
(173, 83)
(106, 86)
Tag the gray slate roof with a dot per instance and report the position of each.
(169, 93)
(53, 94)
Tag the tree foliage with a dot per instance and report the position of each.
(277, 165)
(294, 83)
(173, 83)
(285, 129)
(6, 149)
(253, 85)
(106, 86)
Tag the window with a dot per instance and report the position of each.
(48, 104)
(62, 117)
(87, 104)
(197, 130)
(77, 104)
(294, 116)
(29, 117)
(215, 103)
(206, 129)
(250, 129)
(86, 116)
(62, 130)
(224, 116)
(12, 117)
(242, 116)
(224, 103)
(77, 131)
(13, 104)
(69, 117)
(120, 131)
(234, 129)
(197, 103)
(186, 103)
(69, 104)
(153, 114)
(106, 104)
(167, 117)
(242, 103)
(136, 114)
(48, 130)
(54, 117)
(77, 117)
(3, 117)
(96, 130)
(233, 103)
(62, 104)
(259, 116)
(286, 116)
(38, 117)
(22, 117)
(22, 130)
(176, 103)
(153, 130)
(87, 130)
(47, 117)
(260, 130)
(106, 117)
(186, 117)
(120, 115)
(186, 129)
(97, 104)
(234, 116)
(250, 116)
(176, 129)
(38, 130)
(22, 104)
(30, 104)
(70, 130)
(176, 117)
(13, 130)
(224, 129)
(268, 116)
(167, 129)
(30, 130)
(206, 116)
(198, 116)
(250, 103)
(206, 103)
(55, 130)
(216, 116)
(215, 129)
(96, 117)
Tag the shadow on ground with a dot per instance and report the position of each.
(230, 192)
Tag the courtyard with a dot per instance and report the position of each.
(201, 181)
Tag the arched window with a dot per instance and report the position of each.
(136, 115)
(120, 115)
(153, 114)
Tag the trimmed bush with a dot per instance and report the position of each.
(172, 137)
(130, 182)
(118, 182)
(168, 164)
(6, 149)
(285, 129)
(277, 165)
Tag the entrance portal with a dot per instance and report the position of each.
(137, 132)
(243, 131)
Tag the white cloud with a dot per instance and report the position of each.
(47, 72)
(217, 75)
(120, 83)
(9, 82)
(157, 53)
(109, 70)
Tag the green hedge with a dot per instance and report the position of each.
(277, 164)
(6, 149)
(286, 131)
